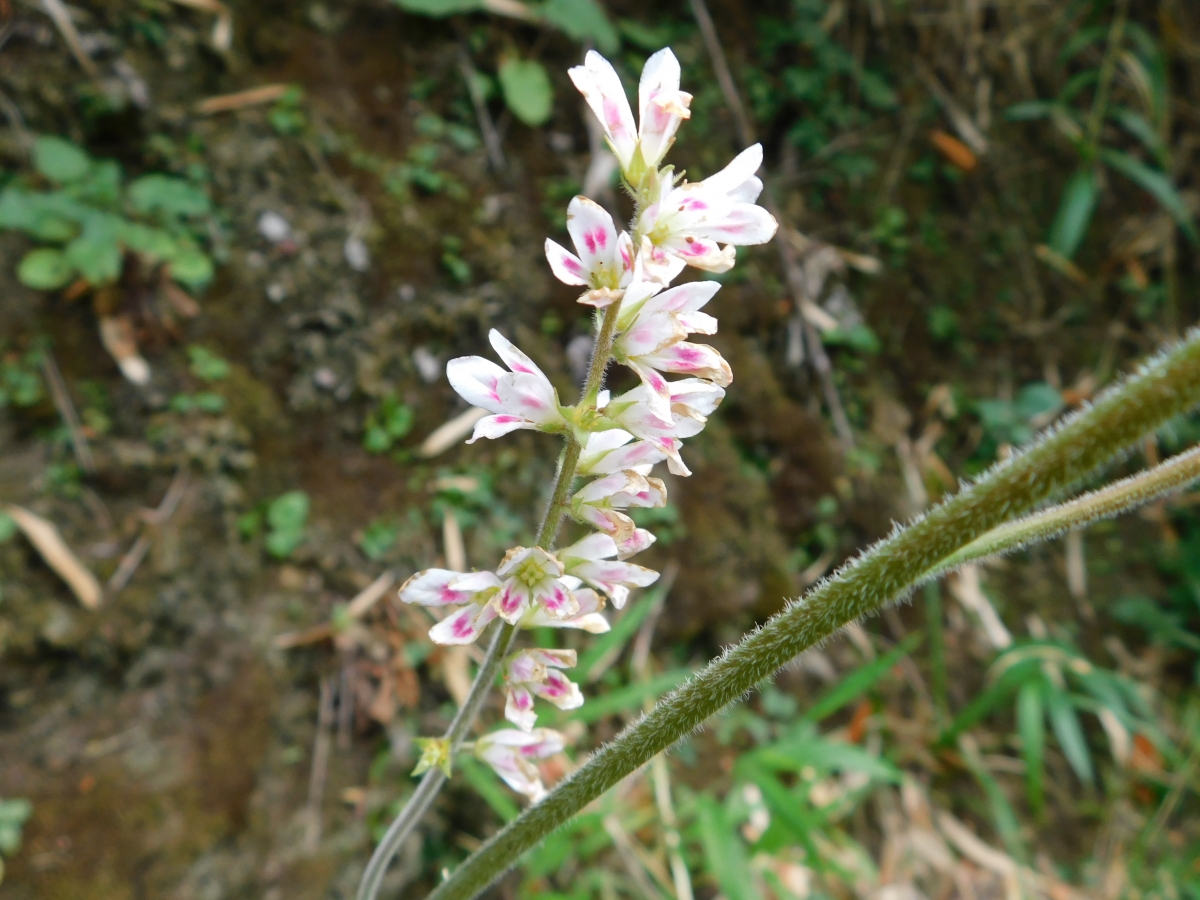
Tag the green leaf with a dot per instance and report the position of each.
(991, 697)
(440, 7)
(60, 160)
(152, 243)
(1003, 815)
(724, 853)
(583, 20)
(1065, 722)
(206, 365)
(1074, 213)
(794, 812)
(101, 187)
(1030, 110)
(190, 266)
(861, 680)
(1157, 185)
(97, 258)
(170, 196)
(527, 90)
(378, 538)
(45, 269)
(287, 516)
(8, 527)
(1137, 125)
(1031, 727)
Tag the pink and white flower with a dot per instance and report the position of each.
(652, 340)
(599, 503)
(520, 398)
(610, 451)
(535, 672)
(701, 222)
(662, 107)
(442, 587)
(511, 753)
(588, 618)
(692, 401)
(604, 263)
(531, 579)
(640, 540)
(592, 560)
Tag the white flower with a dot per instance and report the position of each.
(528, 578)
(605, 260)
(521, 398)
(442, 587)
(692, 220)
(531, 578)
(662, 107)
(598, 503)
(652, 340)
(511, 753)
(611, 451)
(635, 543)
(692, 401)
(531, 673)
(588, 618)
(591, 560)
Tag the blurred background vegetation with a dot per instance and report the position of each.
(239, 242)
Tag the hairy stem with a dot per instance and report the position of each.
(1113, 500)
(1169, 385)
(502, 637)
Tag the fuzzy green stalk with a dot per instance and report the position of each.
(1167, 386)
(503, 635)
(1113, 500)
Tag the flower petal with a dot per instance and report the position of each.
(635, 543)
(432, 588)
(692, 359)
(518, 708)
(601, 87)
(595, 237)
(498, 426)
(566, 266)
(475, 379)
(464, 626)
(514, 358)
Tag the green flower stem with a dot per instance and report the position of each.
(502, 637)
(1167, 386)
(1113, 500)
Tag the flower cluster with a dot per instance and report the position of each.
(628, 275)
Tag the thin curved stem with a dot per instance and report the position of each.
(502, 638)
(1113, 500)
(1167, 386)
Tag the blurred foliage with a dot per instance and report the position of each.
(91, 219)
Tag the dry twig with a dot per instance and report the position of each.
(267, 93)
(152, 520)
(57, 12)
(66, 409)
(58, 556)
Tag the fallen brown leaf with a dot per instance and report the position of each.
(58, 556)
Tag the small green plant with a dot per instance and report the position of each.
(20, 381)
(1016, 421)
(378, 538)
(389, 422)
(88, 220)
(286, 517)
(1087, 103)
(13, 815)
(206, 365)
(287, 115)
(1054, 682)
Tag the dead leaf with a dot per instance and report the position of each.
(958, 153)
(445, 437)
(222, 33)
(116, 333)
(58, 556)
